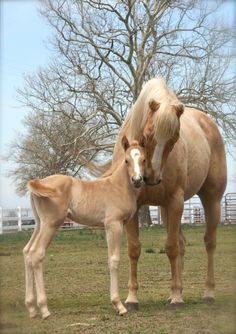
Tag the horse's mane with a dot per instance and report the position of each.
(165, 120)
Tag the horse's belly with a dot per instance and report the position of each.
(197, 172)
(87, 219)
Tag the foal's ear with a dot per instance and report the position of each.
(179, 108)
(142, 140)
(125, 142)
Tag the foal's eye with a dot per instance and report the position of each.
(126, 161)
(144, 160)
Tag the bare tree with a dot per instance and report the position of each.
(105, 50)
(52, 145)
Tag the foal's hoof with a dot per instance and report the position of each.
(132, 306)
(46, 315)
(33, 314)
(122, 312)
(176, 303)
(208, 299)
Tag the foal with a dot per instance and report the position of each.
(110, 201)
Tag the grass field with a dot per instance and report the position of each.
(77, 284)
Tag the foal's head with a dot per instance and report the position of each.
(135, 160)
(161, 132)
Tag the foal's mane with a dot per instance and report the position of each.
(165, 121)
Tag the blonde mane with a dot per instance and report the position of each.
(165, 120)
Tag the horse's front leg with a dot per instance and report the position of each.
(134, 250)
(114, 230)
(174, 210)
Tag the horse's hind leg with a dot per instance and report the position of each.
(134, 250)
(30, 301)
(212, 209)
(36, 255)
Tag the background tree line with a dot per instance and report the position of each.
(103, 52)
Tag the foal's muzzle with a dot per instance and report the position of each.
(137, 181)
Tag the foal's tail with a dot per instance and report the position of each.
(38, 188)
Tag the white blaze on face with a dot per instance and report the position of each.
(135, 155)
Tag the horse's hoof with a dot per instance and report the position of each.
(169, 300)
(46, 315)
(132, 306)
(209, 299)
(123, 312)
(176, 304)
(33, 314)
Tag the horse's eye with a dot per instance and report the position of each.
(144, 160)
(126, 161)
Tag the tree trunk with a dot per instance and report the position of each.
(144, 216)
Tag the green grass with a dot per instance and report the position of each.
(77, 285)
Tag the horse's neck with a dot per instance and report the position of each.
(91, 199)
(120, 178)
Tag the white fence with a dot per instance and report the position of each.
(194, 213)
(13, 220)
(21, 219)
(16, 219)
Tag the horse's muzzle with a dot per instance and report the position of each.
(137, 182)
(149, 182)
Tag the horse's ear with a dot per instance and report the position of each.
(125, 142)
(154, 105)
(179, 108)
(142, 140)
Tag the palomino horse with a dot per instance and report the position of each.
(111, 201)
(184, 156)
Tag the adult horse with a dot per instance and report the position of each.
(185, 156)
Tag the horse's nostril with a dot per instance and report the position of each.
(145, 179)
(137, 180)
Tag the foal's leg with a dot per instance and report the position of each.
(114, 233)
(212, 209)
(29, 277)
(173, 214)
(36, 256)
(134, 250)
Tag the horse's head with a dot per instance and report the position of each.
(161, 131)
(135, 159)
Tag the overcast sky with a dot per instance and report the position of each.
(23, 50)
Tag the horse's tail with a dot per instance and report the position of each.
(40, 189)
